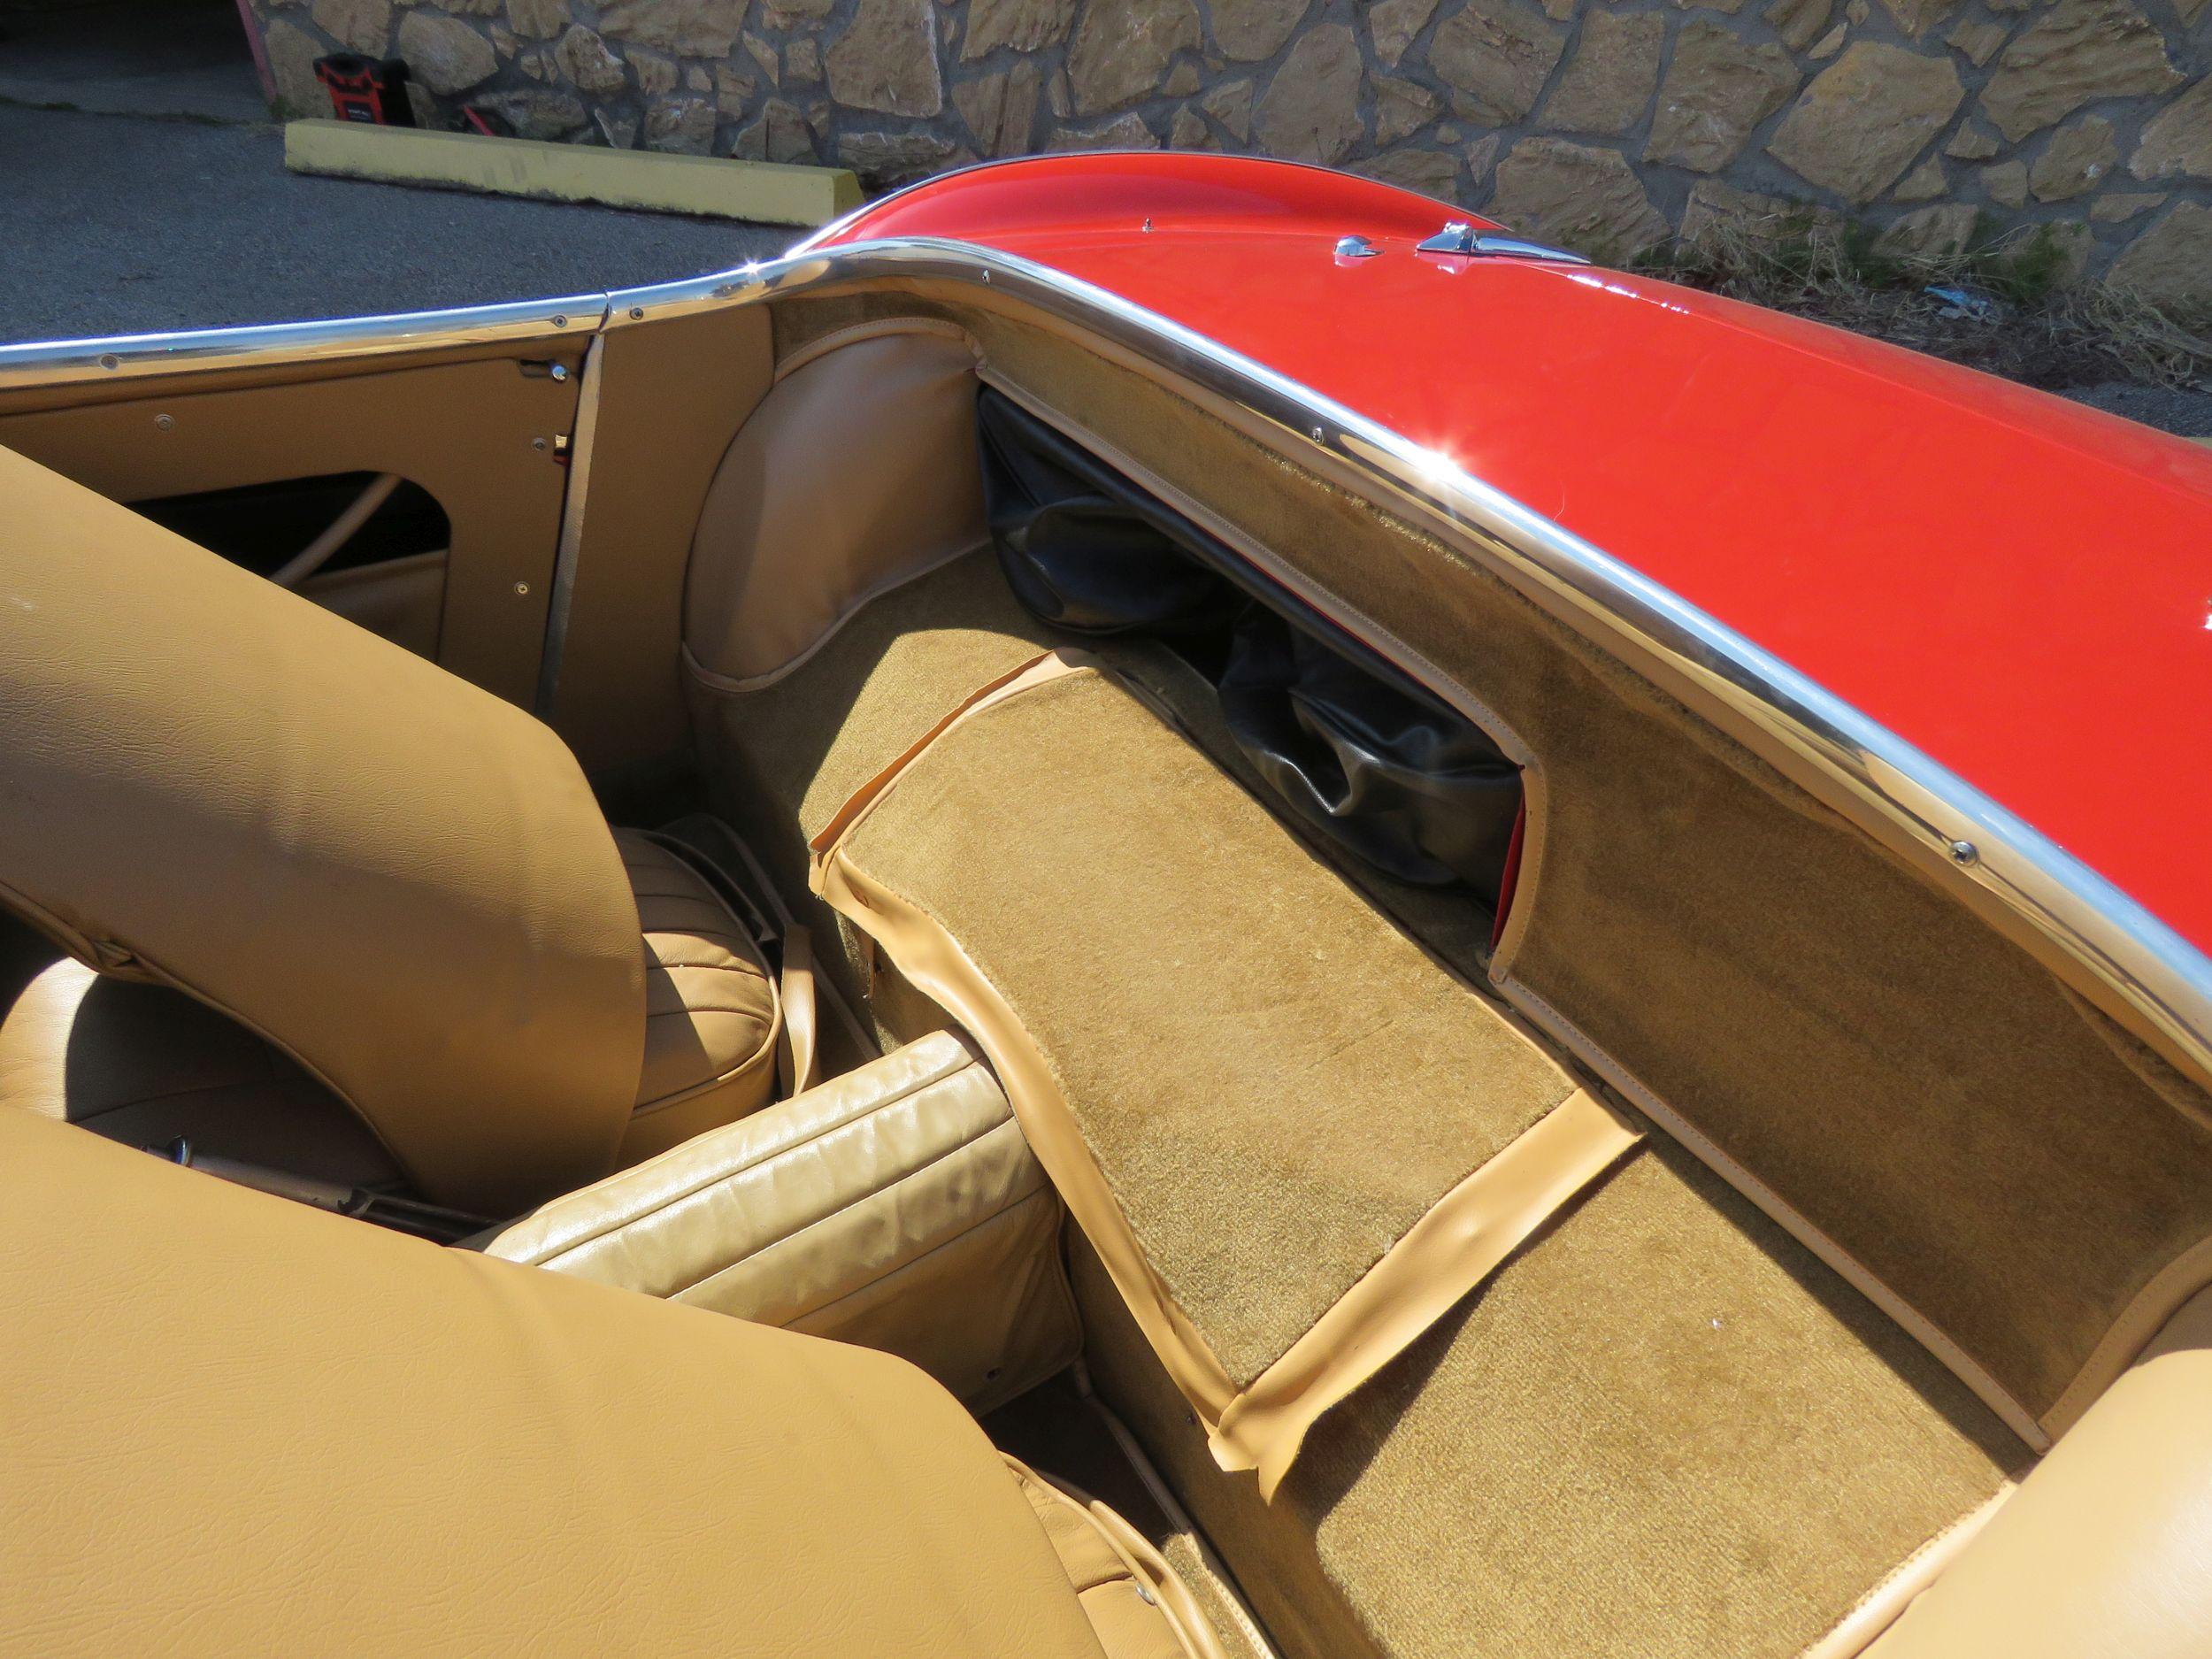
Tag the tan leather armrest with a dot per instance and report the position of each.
(897, 1206)
(234, 1426)
(2106, 1550)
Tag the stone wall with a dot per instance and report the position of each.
(1603, 127)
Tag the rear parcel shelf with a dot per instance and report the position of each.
(1295, 1140)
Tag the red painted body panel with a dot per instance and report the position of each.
(2019, 587)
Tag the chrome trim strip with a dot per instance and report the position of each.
(574, 501)
(274, 345)
(1883, 783)
(1887, 785)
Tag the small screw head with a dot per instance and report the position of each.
(109, 360)
(1317, 435)
(559, 372)
(1964, 853)
(538, 444)
(522, 590)
(560, 322)
(637, 313)
(165, 423)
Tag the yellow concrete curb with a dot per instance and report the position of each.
(764, 191)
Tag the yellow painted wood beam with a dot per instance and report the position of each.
(766, 192)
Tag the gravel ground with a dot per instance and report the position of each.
(115, 225)
(2188, 412)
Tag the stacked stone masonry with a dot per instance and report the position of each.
(1607, 128)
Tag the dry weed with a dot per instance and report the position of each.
(2003, 304)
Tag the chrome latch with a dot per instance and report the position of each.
(1355, 247)
(1466, 241)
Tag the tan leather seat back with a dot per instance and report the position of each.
(235, 1425)
(396, 878)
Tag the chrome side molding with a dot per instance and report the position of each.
(275, 345)
(1891, 790)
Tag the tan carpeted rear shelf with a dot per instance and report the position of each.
(1311, 1137)
(790, 754)
(1664, 1431)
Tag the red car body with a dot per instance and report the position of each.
(2018, 586)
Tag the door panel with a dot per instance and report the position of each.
(402, 599)
(479, 436)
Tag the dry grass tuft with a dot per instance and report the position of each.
(2009, 310)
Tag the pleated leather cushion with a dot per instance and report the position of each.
(712, 1017)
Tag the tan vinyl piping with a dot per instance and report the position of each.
(2138, 1323)
(1456, 1246)
(1960, 1364)
(1886, 1603)
(1453, 1249)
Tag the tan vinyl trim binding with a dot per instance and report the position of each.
(860, 602)
(1985, 1387)
(798, 1059)
(1886, 1603)
(2140, 1322)
(1453, 1249)
(1193, 1632)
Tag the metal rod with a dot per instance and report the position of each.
(317, 553)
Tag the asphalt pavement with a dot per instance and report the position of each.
(116, 223)
(121, 224)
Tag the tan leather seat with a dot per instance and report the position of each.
(402, 884)
(147, 1066)
(2106, 1550)
(711, 1013)
(236, 1426)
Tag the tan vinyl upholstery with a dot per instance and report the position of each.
(1136, 1603)
(897, 1206)
(237, 1425)
(144, 1064)
(711, 1015)
(858, 472)
(400, 880)
(2106, 1550)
